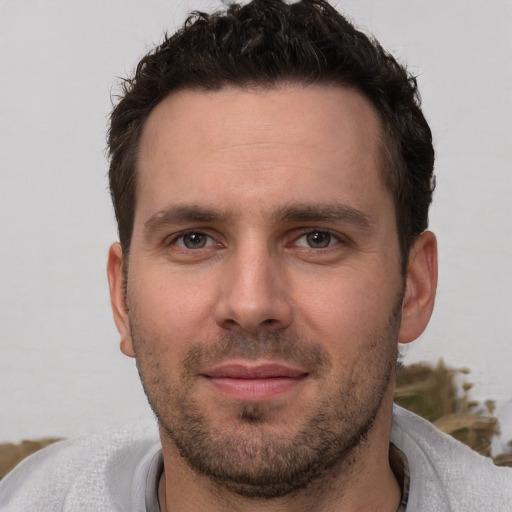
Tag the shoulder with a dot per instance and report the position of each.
(95, 472)
(445, 474)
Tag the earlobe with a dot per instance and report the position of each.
(420, 288)
(118, 297)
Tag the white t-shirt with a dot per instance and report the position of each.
(119, 471)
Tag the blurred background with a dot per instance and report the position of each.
(61, 372)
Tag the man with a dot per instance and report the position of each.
(271, 173)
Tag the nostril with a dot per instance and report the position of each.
(267, 324)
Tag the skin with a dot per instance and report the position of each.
(264, 235)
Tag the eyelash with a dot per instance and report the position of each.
(174, 241)
(334, 239)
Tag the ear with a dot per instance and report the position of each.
(420, 287)
(118, 297)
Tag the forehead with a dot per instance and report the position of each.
(247, 115)
(276, 145)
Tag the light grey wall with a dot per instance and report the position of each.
(60, 369)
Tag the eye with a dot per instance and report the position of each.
(317, 240)
(194, 240)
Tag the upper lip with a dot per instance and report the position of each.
(254, 371)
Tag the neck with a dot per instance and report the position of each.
(363, 481)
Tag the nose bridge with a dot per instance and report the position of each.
(253, 293)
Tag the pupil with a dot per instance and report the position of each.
(194, 241)
(318, 239)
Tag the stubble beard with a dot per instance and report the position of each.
(247, 457)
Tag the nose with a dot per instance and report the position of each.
(253, 294)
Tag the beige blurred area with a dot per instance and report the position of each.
(11, 454)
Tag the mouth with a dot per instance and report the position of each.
(254, 382)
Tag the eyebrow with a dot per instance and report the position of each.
(323, 213)
(307, 212)
(177, 214)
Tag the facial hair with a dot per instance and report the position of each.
(246, 456)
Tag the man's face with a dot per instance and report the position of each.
(264, 287)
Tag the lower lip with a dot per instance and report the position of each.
(255, 389)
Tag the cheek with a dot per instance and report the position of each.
(169, 313)
(346, 311)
